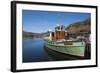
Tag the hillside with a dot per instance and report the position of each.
(31, 35)
(82, 26)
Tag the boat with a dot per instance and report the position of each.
(71, 46)
(74, 48)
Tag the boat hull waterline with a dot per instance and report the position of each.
(75, 49)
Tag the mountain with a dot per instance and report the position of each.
(31, 35)
(82, 26)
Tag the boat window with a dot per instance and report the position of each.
(67, 43)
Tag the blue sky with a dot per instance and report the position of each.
(41, 21)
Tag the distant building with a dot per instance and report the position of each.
(80, 34)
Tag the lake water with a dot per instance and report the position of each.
(34, 51)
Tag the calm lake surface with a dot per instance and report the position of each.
(34, 51)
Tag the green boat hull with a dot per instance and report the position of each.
(76, 49)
